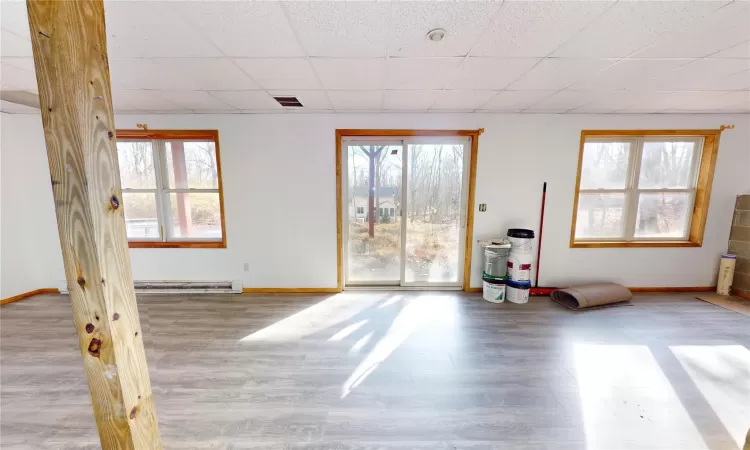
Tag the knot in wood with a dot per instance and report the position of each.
(95, 347)
(89, 328)
(114, 202)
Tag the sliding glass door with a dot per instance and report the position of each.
(405, 211)
(373, 201)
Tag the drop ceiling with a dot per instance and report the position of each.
(506, 57)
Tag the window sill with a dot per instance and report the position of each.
(188, 244)
(626, 244)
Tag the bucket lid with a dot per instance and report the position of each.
(497, 281)
(521, 233)
(729, 256)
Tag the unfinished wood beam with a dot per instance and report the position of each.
(70, 56)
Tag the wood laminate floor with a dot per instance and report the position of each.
(396, 370)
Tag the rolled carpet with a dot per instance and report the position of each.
(589, 296)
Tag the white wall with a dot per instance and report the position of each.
(29, 245)
(268, 161)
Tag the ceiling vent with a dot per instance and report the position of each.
(289, 101)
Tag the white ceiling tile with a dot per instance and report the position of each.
(14, 78)
(463, 21)
(248, 100)
(178, 74)
(509, 101)
(142, 100)
(409, 100)
(629, 26)
(565, 100)
(557, 73)
(420, 73)
(357, 29)
(741, 50)
(356, 100)
(13, 45)
(15, 108)
(629, 72)
(350, 73)
(135, 73)
(609, 102)
(244, 28)
(461, 100)
(280, 73)
(311, 100)
(534, 29)
(703, 74)
(721, 29)
(155, 28)
(196, 100)
(490, 73)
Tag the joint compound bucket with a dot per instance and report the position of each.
(519, 266)
(520, 240)
(517, 292)
(496, 261)
(493, 291)
(521, 257)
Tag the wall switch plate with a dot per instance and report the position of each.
(483, 207)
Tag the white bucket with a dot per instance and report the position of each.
(517, 293)
(520, 245)
(520, 240)
(519, 266)
(493, 292)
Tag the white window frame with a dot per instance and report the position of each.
(633, 191)
(163, 192)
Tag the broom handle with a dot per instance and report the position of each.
(541, 228)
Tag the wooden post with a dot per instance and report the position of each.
(70, 56)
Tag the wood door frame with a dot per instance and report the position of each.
(343, 133)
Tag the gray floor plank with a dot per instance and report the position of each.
(396, 370)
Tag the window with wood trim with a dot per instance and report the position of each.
(647, 188)
(171, 188)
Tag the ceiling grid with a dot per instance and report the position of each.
(496, 57)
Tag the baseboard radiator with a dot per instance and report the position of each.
(191, 287)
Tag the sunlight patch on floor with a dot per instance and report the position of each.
(627, 402)
(321, 316)
(403, 325)
(357, 347)
(349, 329)
(722, 375)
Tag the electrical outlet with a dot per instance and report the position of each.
(483, 207)
(246, 267)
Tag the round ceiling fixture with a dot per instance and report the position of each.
(436, 35)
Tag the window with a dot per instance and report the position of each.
(643, 188)
(171, 188)
(360, 209)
